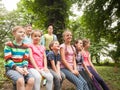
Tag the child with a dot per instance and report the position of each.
(84, 72)
(68, 63)
(27, 40)
(28, 31)
(90, 66)
(53, 58)
(37, 54)
(16, 60)
(47, 38)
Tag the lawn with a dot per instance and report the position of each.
(110, 74)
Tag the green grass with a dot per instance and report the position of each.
(110, 75)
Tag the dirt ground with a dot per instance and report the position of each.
(65, 86)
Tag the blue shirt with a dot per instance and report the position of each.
(51, 56)
(27, 40)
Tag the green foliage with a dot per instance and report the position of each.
(45, 12)
(2, 72)
(98, 20)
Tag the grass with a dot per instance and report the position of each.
(110, 74)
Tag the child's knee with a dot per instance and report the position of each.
(38, 78)
(50, 77)
(30, 81)
(20, 82)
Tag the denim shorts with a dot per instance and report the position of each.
(15, 75)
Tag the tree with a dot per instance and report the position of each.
(99, 17)
(47, 12)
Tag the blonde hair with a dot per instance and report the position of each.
(66, 30)
(16, 28)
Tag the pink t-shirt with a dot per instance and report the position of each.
(86, 55)
(69, 54)
(38, 55)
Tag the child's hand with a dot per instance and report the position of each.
(75, 72)
(60, 76)
(25, 71)
(91, 76)
(46, 69)
(20, 70)
(38, 69)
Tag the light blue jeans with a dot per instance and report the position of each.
(57, 80)
(78, 81)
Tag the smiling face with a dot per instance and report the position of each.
(67, 36)
(19, 33)
(79, 44)
(54, 45)
(36, 36)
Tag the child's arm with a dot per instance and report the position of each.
(75, 67)
(74, 63)
(25, 61)
(91, 63)
(8, 58)
(58, 68)
(45, 63)
(42, 40)
(32, 60)
(53, 65)
(87, 70)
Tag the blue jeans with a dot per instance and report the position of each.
(57, 80)
(78, 81)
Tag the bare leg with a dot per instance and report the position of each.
(20, 84)
(30, 83)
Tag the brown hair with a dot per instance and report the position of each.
(85, 42)
(51, 44)
(16, 28)
(36, 31)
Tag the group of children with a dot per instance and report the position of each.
(27, 62)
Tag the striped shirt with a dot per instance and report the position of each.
(15, 55)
